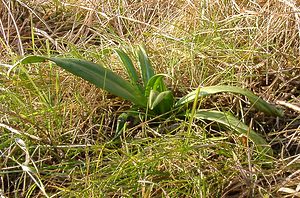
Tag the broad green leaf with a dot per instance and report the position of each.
(230, 122)
(257, 102)
(97, 75)
(156, 98)
(159, 84)
(166, 103)
(33, 59)
(145, 64)
(156, 83)
(160, 99)
(129, 67)
(152, 96)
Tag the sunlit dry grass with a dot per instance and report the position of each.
(67, 124)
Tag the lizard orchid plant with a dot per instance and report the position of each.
(148, 92)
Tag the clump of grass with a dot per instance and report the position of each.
(66, 124)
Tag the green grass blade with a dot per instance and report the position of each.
(97, 75)
(127, 62)
(145, 65)
(257, 102)
(230, 122)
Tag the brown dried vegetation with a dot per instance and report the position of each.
(255, 45)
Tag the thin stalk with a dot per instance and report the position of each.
(193, 110)
(32, 33)
(41, 95)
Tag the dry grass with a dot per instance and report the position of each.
(67, 123)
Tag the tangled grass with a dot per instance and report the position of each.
(55, 129)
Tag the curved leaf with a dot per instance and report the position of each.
(160, 99)
(156, 98)
(230, 122)
(127, 62)
(97, 75)
(257, 102)
(166, 104)
(156, 83)
(145, 64)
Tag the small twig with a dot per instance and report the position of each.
(289, 105)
